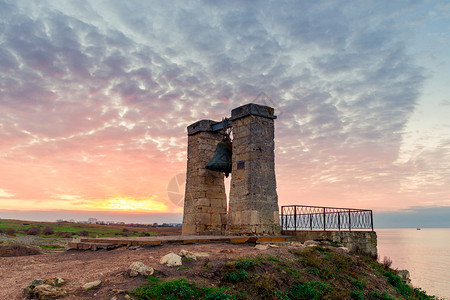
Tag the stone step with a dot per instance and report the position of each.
(111, 243)
(91, 246)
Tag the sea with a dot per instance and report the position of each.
(425, 253)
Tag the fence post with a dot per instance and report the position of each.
(371, 220)
(286, 223)
(339, 221)
(324, 220)
(349, 221)
(295, 217)
(282, 210)
(310, 220)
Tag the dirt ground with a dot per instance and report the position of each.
(81, 267)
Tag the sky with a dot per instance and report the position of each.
(95, 98)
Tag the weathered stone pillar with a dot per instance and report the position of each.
(253, 197)
(205, 203)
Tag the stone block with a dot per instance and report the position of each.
(203, 218)
(276, 217)
(224, 218)
(217, 203)
(215, 219)
(199, 126)
(215, 195)
(253, 217)
(252, 109)
(203, 202)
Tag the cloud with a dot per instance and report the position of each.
(5, 194)
(95, 98)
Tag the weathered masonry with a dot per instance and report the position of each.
(253, 205)
(205, 202)
(348, 227)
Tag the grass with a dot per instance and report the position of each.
(176, 289)
(310, 273)
(67, 229)
(360, 285)
(51, 247)
(308, 290)
(404, 289)
(357, 295)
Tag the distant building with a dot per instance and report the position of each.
(92, 220)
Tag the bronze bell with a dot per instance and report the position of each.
(221, 160)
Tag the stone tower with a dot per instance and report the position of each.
(253, 195)
(205, 202)
(253, 207)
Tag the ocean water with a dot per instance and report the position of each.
(424, 253)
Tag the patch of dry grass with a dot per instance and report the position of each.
(17, 250)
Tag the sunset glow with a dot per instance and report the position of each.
(129, 204)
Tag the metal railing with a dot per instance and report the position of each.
(302, 217)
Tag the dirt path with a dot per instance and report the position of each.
(80, 267)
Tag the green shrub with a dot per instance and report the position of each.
(336, 244)
(309, 290)
(273, 258)
(357, 295)
(10, 231)
(262, 286)
(360, 285)
(178, 289)
(48, 230)
(148, 233)
(34, 231)
(310, 259)
(326, 273)
(404, 289)
(237, 269)
(320, 249)
(393, 279)
(313, 271)
(235, 276)
(83, 233)
(375, 295)
(245, 263)
(174, 289)
(342, 263)
(219, 295)
(51, 247)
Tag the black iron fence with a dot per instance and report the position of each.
(302, 217)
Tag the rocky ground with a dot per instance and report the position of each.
(80, 267)
(302, 271)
